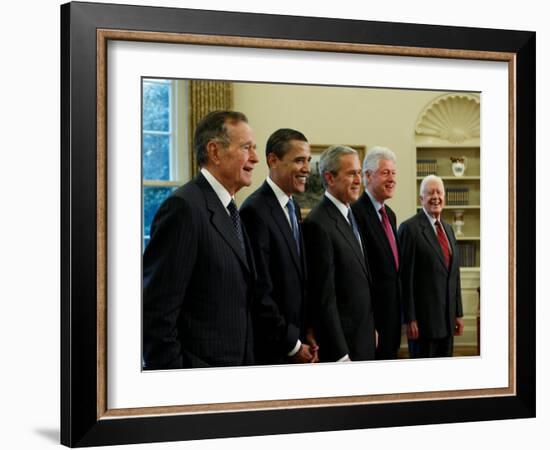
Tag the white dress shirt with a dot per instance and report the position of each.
(377, 205)
(282, 198)
(432, 222)
(222, 193)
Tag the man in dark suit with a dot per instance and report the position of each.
(378, 225)
(198, 270)
(430, 276)
(272, 219)
(338, 274)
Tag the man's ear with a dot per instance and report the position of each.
(213, 149)
(329, 178)
(366, 175)
(271, 159)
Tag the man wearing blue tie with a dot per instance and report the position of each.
(272, 220)
(338, 274)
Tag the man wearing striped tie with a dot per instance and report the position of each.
(272, 219)
(430, 276)
(198, 271)
(338, 274)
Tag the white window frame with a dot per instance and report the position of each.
(179, 160)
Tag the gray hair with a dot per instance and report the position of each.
(330, 160)
(427, 180)
(373, 158)
(213, 126)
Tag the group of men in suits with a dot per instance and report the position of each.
(224, 287)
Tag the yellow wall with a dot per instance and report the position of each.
(328, 115)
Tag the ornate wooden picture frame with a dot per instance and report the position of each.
(86, 416)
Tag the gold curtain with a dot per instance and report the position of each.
(204, 97)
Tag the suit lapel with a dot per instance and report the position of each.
(454, 248)
(220, 220)
(377, 227)
(431, 237)
(303, 264)
(345, 230)
(391, 217)
(282, 223)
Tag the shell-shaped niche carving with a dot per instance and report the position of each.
(451, 117)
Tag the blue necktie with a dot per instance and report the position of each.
(236, 219)
(294, 223)
(354, 227)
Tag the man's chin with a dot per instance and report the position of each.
(243, 184)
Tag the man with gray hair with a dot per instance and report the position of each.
(338, 273)
(430, 276)
(377, 222)
(198, 271)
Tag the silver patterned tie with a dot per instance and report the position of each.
(294, 223)
(236, 219)
(354, 228)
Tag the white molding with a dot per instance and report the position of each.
(451, 118)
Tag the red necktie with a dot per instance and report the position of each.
(443, 243)
(389, 234)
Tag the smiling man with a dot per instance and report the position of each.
(377, 222)
(338, 273)
(272, 219)
(198, 273)
(430, 276)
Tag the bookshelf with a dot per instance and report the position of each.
(449, 127)
(462, 194)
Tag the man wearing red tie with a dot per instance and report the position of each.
(378, 224)
(430, 276)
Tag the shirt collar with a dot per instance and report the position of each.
(222, 193)
(433, 221)
(431, 218)
(341, 206)
(282, 198)
(377, 205)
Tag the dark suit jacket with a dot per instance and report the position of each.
(280, 293)
(386, 286)
(197, 285)
(339, 286)
(431, 293)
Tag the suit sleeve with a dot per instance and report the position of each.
(322, 288)
(270, 322)
(458, 295)
(167, 269)
(393, 220)
(407, 264)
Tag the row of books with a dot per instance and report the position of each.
(426, 167)
(467, 254)
(458, 196)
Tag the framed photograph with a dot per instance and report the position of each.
(110, 51)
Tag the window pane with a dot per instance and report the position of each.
(152, 198)
(156, 107)
(156, 157)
